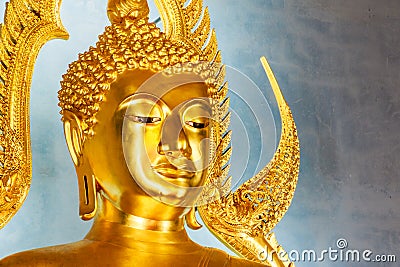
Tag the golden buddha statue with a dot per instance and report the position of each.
(146, 121)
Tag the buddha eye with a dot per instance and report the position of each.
(196, 114)
(142, 119)
(197, 125)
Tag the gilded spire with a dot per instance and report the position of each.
(118, 9)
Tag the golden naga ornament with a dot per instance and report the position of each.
(28, 25)
(104, 90)
(243, 219)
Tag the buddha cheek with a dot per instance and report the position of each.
(140, 150)
(200, 144)
(133, 147)
(150, 141)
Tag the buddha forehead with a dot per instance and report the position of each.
(172, 89)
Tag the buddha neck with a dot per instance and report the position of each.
(108, 212)
(114, 226)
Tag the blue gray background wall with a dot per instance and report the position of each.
(338, 64)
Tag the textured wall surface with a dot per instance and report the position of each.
(338, 64)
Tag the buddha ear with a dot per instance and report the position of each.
(73, 135)
(86, 180)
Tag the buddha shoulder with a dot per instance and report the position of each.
(220, 258)
(50, 256)
(92, 253)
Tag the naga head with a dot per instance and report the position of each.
(142, 111)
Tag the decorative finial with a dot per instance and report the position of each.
(118, 9)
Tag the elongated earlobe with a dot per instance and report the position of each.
(87, 194)
(86, 178)
(191, 220)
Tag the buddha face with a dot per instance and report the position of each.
(151, 142)
(165, 142)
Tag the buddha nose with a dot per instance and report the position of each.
(174, 141)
